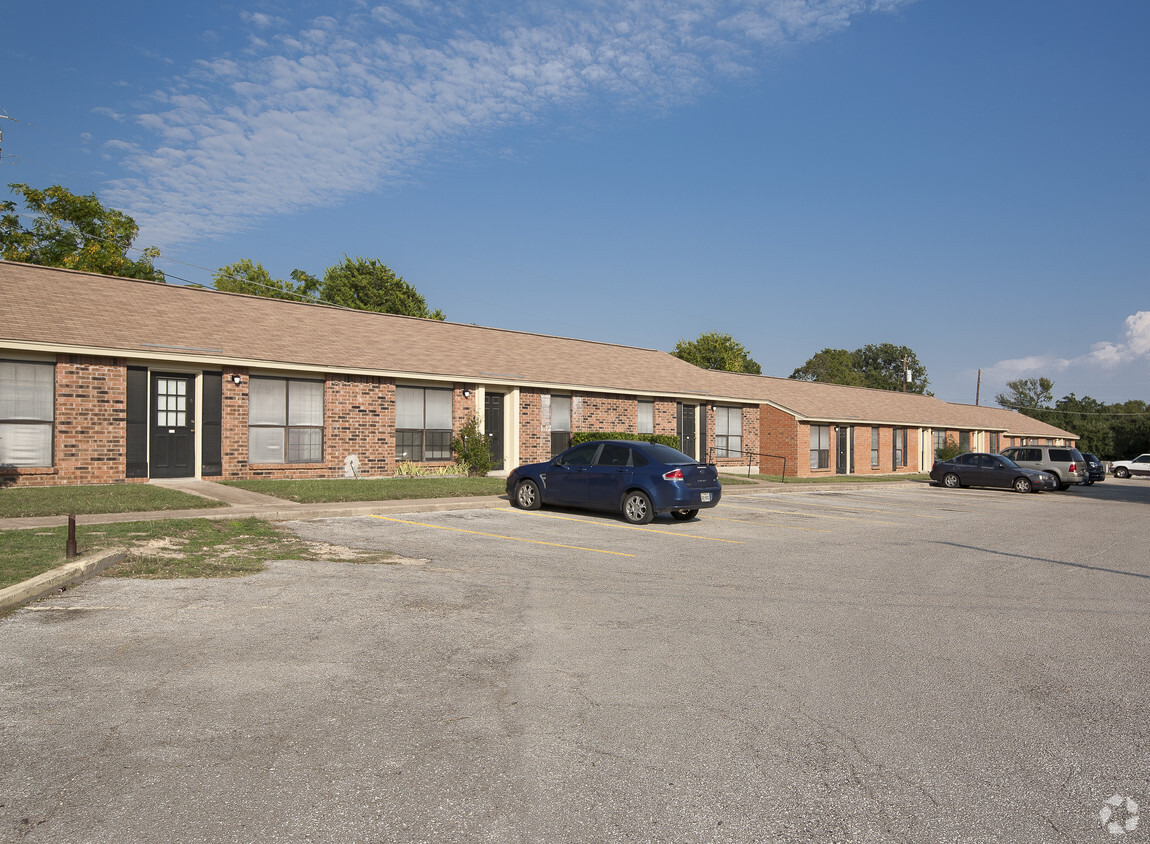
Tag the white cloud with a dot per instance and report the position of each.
(306, 117)
(1093, 367)
(1136, 344)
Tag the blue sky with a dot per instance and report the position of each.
(970, 178)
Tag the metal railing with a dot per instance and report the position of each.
(712, 455)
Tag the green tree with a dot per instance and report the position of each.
(831, 366)
(370, 285)
(717, 351)
(1087, 417)
(74, 232)
(884, 366)
(1131, 427)
(244, 276)
(1027, 394)
(889, 367)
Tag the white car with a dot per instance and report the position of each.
(1140, 465)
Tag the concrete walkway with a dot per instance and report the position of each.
(242, 503)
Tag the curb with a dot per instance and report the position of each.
(66, 575)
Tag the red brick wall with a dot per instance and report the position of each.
(779, 434)
(534, 441)
(91, 396)
(598, 412)
(359, 419)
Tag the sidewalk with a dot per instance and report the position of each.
(241, 504)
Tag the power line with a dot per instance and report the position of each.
(1024, 409)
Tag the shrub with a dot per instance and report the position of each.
(951, 449)
(471, 448)
(586, 436)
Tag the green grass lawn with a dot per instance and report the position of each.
(372, 489)
(170, 548)
(17, 502)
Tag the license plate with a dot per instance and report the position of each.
(704, 497)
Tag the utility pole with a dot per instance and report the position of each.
(978, 388)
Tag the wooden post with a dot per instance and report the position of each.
(70, 551)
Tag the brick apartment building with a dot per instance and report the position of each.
(108, 380)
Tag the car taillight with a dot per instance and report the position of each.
(1073, 468)
(673, 475)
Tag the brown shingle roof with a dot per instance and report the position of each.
(146, 319)
(124, 317)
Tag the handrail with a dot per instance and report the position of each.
(749, 454)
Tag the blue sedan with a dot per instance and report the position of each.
(638, 479)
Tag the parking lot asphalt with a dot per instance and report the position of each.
(874, 664)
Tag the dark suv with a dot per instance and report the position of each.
(1094, 468)
(1064, 462)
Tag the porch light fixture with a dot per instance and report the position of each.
(237, 380)
(467, 394)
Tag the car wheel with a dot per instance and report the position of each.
(637, 508)
(1059, 484)
(1121, 472)
(1023, 485)
(951, 481)
(527, 495)
(684, 515)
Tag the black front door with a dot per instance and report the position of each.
(687, 430)
(173, 450)
(493, 425)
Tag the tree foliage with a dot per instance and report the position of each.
(831, 366)
(363, 284)
(244, 276)
(1112, 431)
(717, 351)
(370, 285)
(73, 232)
(882, 366)
(1027, 394)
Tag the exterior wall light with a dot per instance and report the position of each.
(467, 394)
(237, 380)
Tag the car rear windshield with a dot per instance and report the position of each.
(666, 454)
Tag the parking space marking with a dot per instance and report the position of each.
(766, 524)
(811, 515)
(809, 503)
(500, 536)
(614, 524)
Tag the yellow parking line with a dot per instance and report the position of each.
(853, 509)
(629, 527)
(810, 515)
(765, 524)
(500, 536)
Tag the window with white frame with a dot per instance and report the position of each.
(646, 416)
(820, 446)
(422, 423)
(285, 420)
(27, 402)
(874, 448)
(728, 431)
(560, 424)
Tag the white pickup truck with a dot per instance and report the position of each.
(1140, 465)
